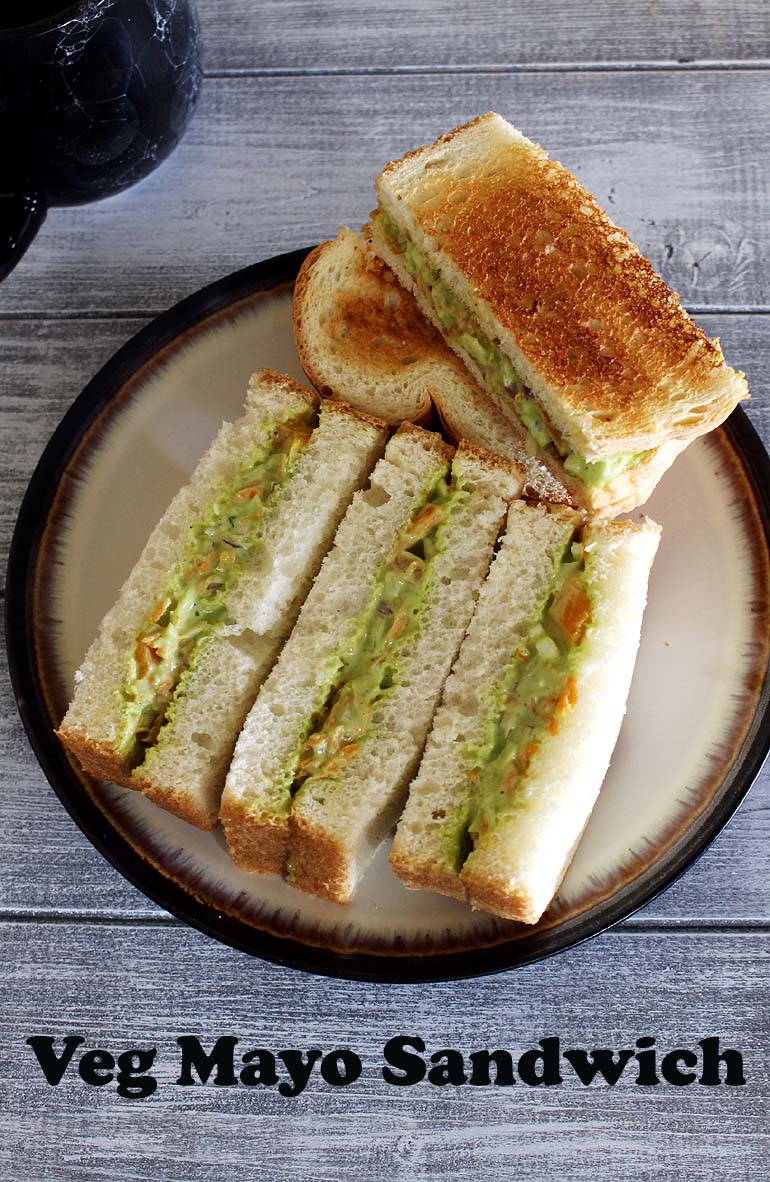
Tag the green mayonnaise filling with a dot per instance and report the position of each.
(194, 601)
(384, 630)
(463, 328)
(536, 690)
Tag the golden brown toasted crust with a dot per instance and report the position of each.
(356, 328)
(287, 383)
(317, 861)
(256, 843)
(172, 799)
(427, 878)
(486, 896)
(368, 322)
(481, 416)
(490, 459)
(337, 406)
(103, 763)
(429, 441)
(584, 306)
(97, 760)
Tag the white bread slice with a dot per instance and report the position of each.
(185, 771)
(424, 853)
(515, 870)
(257, 796)
(603, 344)
(336, 825)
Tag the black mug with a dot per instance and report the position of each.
(93, 96)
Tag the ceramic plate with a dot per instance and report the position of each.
(695, 735)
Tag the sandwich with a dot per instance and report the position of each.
(361, 337)
(553, 310)
(530, 713)
(163, 691)
(320, 769)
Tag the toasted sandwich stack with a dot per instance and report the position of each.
(580, 353)
(361, 336)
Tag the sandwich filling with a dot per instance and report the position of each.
(462, 328)
(536, 691)
(194, 602)
(367, 669)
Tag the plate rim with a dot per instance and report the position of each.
(286, 951)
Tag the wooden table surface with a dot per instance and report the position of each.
(663, 109)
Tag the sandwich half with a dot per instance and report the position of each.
(164, 689)
(361, 337)
(553, 310)
(530, 713)
(321, 767)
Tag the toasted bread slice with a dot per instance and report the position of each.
(357, 336)
(514, 866)
(614, 362)
(361, 337)
(185, 769)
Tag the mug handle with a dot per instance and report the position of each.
(21, 216)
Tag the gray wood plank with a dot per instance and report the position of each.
(298, 34)
(127, 987)
(682, 160)
(44, 365)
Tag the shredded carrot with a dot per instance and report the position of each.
(205, 563)
(158, 611)
(248, 493)
(568, 698)
(398, 625)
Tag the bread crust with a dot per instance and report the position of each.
(429, 441)
(513, 904)
(271, 377)
(319, 862)
(256, 842)
(355, 336)
(173, 799)
(604, 344)
(547, 477)
(103, 763)
(427, 877)
(491, 461)
(338, 407)
(96, 759)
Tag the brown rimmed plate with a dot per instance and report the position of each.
(695, 735)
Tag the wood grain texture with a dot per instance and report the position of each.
(147, 987)
(45, 364)
(298, 34)
(681, 160)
